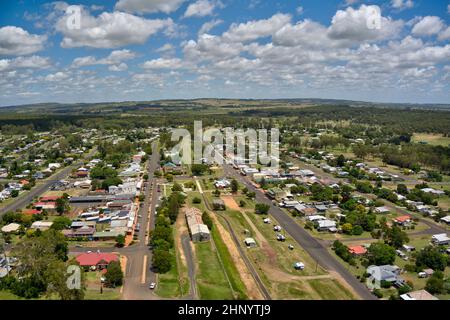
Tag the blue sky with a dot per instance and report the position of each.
(385, 51)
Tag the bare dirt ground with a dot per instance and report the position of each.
(230, 203)
(180, 229)
(250, 284)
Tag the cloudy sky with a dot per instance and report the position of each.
(117, 50)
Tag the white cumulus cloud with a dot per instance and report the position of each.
(15, 41)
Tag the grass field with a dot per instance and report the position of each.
(6, 295)
(211, 279)
(93, 288)
(175, 283)
(230, 268)
(169, 283)
(432, 139)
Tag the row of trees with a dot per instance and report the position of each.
(161, 238)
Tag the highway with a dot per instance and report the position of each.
(314, 248)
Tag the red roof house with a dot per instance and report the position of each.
(31, 212)
(49, 199)
(357, 250)
(402, 219)
(98, 260)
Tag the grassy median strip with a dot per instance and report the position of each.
(212, 282)
(229, 266)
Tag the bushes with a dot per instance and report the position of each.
(380, 253)
(207, 220)
(114, 275)
(432, 258)
(261, 208)
(342, 251)
(196, 200)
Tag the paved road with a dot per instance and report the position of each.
(39, 189)
(138, 273)
(186, 244)
(315, 249)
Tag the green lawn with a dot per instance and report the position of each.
(230, 268)
(330, 289)
(6, 295)
(93, 288)
(211, 280)
(169, 283)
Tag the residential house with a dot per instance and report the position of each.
(440, 239)
(386, 273)
(96, 260)
(382, 210)
(357, 250)
(418, 295)
(326, 225)
(403, 220)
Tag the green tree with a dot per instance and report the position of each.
(261, 208)
(120, 241)
(234, 186)
(162, 261)
(61, 223)
(114, 275)
(380, 253)
(395, 237)
(432, 258)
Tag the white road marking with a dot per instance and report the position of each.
(144, 270)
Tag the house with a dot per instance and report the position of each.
(321, 207)
(433, 191)
(306, 173)
(10, 228)
(315, 218)
(218, 204)
(357, 250)
(382, 210)
(222, 184)
(30, 212)
(96, 260)
(199, 231)
(385, 273)
(403, 220)
(309, 211)
(45, 205)
(170, 167)
(250, 243)
(41, 225)
(440, 239)
(49, 199)
(276, 194)
(418, 295)
(290, 203)
(326, 225)
(81, 224)
(446, 219)
(83, 232)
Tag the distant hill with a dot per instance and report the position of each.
(170, 105)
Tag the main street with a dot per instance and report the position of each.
(138, 274)
(314, 248)
(23, 200)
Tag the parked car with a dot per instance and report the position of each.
(152, 286)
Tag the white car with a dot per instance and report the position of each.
(152, 286)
